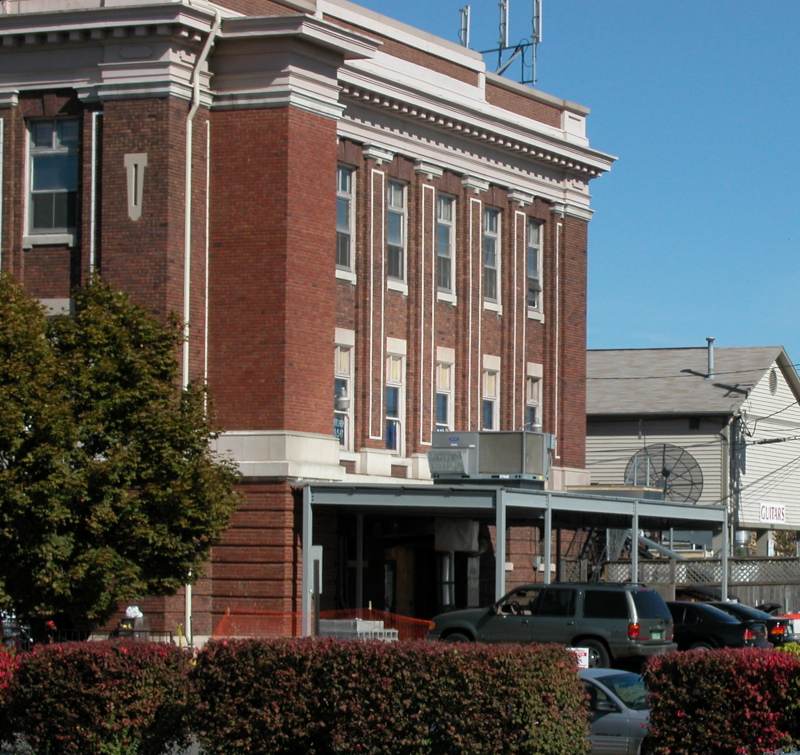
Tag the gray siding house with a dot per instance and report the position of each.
(703, 425)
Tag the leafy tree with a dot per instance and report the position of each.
(108, 487)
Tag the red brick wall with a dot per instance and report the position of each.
(273, 290)
(523, 105)
(468, 328)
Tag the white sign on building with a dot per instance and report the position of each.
(772, 513)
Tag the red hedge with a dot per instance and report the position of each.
(8, 667)
(93, 697)
(295, 696)
(724, 701)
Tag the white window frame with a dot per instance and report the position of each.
(533, 400)
(445, 390)
(486, 395)
(494, 235)
(396, 380)
(344, 371)
(534, 309)
(56, 235)
(446, 293)
(397, 283)
(346, 272)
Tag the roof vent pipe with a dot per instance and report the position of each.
(710, 371)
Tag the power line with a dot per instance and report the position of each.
(760, 479)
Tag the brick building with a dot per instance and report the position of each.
(379, 239)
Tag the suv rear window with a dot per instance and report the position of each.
(650, 605)
(605, 604)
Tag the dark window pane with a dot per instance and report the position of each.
(42, 134)
(488, 414)
(67, 132)
(392, 436)
(395, 262)
(392, 401)
(443, 240)
(64, 210)
(530, 417)
(441, 408)
(394, 229)
(343, 214)
(55, 172)
(42, 211)
(556, 603)
(443, 273)
(605, 604)
(343, 250)
(489, 283)
(650, 605)
(339, 428)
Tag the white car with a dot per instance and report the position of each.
(619, 711)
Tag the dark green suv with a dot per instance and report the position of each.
(612, 620)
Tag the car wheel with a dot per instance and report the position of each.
(457, 637)
(700, 646)
(598, 654)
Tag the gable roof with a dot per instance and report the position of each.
(672, 381)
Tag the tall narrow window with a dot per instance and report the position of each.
(53, 175)
(534, 262)
(444, 396)
(490, 400)
(445, 242)
(394, 403)
(491, 255)
(342, 397)
(396, 230)
(344, 218)
(533, 389)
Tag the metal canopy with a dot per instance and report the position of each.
(502, 506)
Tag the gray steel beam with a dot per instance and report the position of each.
(307, 562)
(635, 545)
(500, 547)
(723, 588)
(548, 540)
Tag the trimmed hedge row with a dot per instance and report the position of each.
(333, 697)
(298, 696)
(724, 701)
(8, 667)
(101, 697)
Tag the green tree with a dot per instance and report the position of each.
(108, 487)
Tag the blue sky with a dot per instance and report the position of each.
(695, 231)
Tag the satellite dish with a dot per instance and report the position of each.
(669, 468)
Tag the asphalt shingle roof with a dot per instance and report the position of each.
(672, 381)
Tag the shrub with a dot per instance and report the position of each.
(114, 698)
(8, 666)
(301, 696)
(724, 701)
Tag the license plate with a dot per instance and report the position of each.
(656, 634)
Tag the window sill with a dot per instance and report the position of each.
(535, 314)
(447, 296)
(48, 239)
(346, 275)
(493, 306)
(393, 284)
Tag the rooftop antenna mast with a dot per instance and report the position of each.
(463, 32)
(525, 51)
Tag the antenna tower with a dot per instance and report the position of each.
(524, 51)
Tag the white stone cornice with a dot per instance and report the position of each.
(378, 154)
(558, 209)
(568, 209)
(520, 198)
(465, 119)
(474, 184)
(429, 170)
(9, 98)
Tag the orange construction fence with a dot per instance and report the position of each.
(268, 624)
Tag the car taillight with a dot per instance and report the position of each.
(633, 631)
(778, 630)
(749, 634)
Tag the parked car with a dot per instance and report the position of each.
(614, 621)
(619, 712)
(702, 626)
(779, 630)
